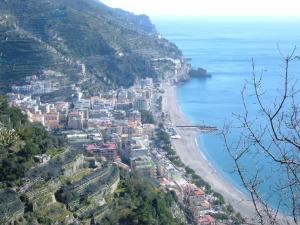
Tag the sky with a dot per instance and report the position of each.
(200, 8)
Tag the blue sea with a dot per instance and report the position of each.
(226, 47)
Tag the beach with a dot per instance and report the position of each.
(228, 57)
(190, 154)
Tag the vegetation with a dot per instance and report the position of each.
(78, 195)
(116, 46)
(55, 213)
(138, 201)
(164, 142)
(199, 181)
(10, 206)
(20, 141)
(147, 117)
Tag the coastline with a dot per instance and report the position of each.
(191, 155)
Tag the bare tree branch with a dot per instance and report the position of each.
(274, 133)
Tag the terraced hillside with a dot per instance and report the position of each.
(86, 197)
(115, 46)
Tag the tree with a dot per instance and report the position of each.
(7, 138)
(20, 141)
(140, 201)
(272, 135)
(146, 117)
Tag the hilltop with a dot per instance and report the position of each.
(81, 42)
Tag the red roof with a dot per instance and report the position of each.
(110, 146)
(91, 147)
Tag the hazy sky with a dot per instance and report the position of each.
(155, 8)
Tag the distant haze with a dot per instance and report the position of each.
(195, 8)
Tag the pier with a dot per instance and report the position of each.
(203, 128)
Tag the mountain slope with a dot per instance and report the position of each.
(115, 46)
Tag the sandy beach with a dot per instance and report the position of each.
(191, 155)
(188, 151)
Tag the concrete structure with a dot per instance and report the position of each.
(52, 120)
(141, 104)
(83, 105)
(148, 129)
(147, 82)
(107, 150)
(98, 114)
(135, 116)
(144, 165)
(122, 96)
(71, 168)
(119, 115)
(135, 147)
(75, 121)
(124, 106)
(36, 118)
(41, 158)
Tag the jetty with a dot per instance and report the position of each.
(202, 128)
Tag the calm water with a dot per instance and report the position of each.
(226, 48)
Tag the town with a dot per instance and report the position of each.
(120, 127)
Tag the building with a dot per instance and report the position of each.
(149, 129)
(119, 115)
(141, 104)
(135, 147)
(52, 120)
(122, 96)
(144, 165)
(103, 105)
(131, 94)
(79, 140)
(135, 116)
(83, 105)
(147, 82)
(63, 109)
(113, 129)
(98, 123)
(36, 118)
(75, 121)
(147, 94)
(98, 114)
(124, 106)
(107, 150)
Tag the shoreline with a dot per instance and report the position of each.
(191, 155)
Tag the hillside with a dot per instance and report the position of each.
(68, 188)
(84, 41)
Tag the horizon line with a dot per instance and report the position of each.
(245, 17)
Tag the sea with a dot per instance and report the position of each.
(227, 48)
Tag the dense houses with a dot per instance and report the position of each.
(109, 126)
(34, 86)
